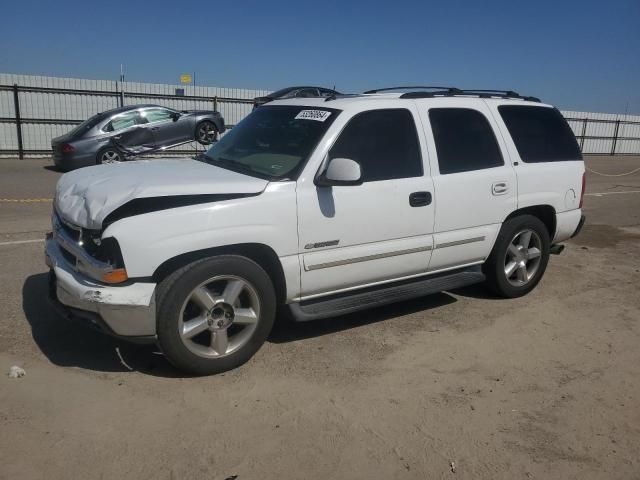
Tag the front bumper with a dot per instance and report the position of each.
(124, 311)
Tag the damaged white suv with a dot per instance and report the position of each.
(325, 206)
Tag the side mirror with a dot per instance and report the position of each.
(175, 116)
(340, 171)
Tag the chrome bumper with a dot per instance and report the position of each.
(127, 311)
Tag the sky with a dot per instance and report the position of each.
(578, 55)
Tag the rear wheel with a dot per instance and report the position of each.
(109, 155)
(206, 133)
(519, 257)
(214, 314)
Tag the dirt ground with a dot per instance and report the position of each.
(456, 385)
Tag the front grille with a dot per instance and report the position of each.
(84, 251)
(69, 257)
(72, 232)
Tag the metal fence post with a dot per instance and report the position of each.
(615, 137)
(16, 105)
(584, 133)
(215, 103)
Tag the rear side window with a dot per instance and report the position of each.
(464, 140)
(383, 142)
(122, 121)
(541, 134)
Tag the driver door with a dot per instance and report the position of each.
(166, 130)
(356, 235)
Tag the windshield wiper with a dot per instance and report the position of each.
(231, 165)
(236, 167)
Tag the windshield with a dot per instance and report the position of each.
(273, 142)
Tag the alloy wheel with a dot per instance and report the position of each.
(219, 316)
(523, 257)
(206, 133)
(110, 156)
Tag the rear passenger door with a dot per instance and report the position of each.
(474, 181)
(128, 132)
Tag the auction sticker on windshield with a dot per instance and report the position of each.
(317, 115)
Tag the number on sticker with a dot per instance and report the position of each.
(317, 115)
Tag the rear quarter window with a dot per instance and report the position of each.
(541, 134)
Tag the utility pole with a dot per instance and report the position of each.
(121, 85)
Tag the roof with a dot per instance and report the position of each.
(126, 108)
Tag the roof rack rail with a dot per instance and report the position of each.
(470, 92)
(334, 96)
(389, 89)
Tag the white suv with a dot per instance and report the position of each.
(326, 206)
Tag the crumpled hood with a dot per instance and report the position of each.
(86, 196)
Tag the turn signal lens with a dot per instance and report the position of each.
(118, 275)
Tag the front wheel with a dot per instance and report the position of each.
(214, 314)
(206, 133)
(519, 257)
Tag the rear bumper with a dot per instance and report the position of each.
(124, 311)
(567, 224)
(71, 160)
(580, 225)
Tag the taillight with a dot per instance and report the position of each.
(66, 148)
(584, 186)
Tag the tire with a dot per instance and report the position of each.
(198, 306)
(109, 155)
(519, 257)
(206, 133)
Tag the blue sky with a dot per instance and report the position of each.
(581, 55)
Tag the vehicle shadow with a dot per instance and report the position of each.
(477, 291)
(286, 330)
(71, 344)
(53, 168)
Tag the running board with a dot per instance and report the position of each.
(341, 304)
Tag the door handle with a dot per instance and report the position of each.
(155, 128)
(420, 199)
(499, 188)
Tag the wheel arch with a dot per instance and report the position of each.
(260, 253)
(104, 148)
(545, 213)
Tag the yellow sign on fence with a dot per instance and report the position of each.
(186, 78)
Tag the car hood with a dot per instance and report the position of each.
(86, 196)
